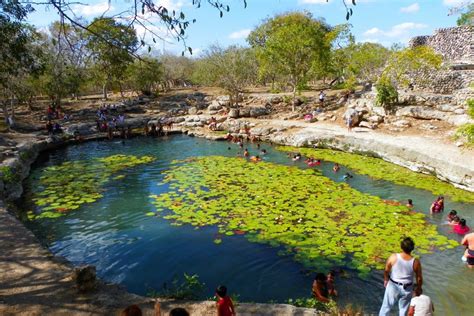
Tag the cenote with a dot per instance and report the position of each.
(186, 205)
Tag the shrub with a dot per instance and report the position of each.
(387, 94)
(188, 288)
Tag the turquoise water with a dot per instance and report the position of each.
(143, 252)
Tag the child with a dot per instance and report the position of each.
(451, 216)
(246, 152)
(420, 304)
(410, 203)
(225, 307)
(461, 228)
(336, 167)
(330, 280)
(320, 288)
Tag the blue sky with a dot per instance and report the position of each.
(381, 21)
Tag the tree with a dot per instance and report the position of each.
(232, 69)
(467, 17)
(290, 45)
(111, 60)
(177, 70)
(19, 55)
(403, 68)
(65, 61)
(408, 65)
(144, 75)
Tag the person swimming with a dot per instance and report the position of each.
(438, 205)
(461, 228)
(246, 152)
(297, 157)
(347, 176)
(451, 215)
(255, 158)
(263, 151)
(409, 203)
(336, 167)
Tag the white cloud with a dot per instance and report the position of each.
(415, 7)
(240, 34)
(95, 9)
(398, 30)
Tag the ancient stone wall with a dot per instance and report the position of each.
(456, 44)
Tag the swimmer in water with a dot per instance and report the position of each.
(336, 167)
(246, 152)
(347, 176)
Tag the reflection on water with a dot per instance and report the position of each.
(142, 252)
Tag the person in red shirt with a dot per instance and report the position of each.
(225, 307)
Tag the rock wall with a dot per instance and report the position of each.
(456, 44)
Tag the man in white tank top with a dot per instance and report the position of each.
(398, 279)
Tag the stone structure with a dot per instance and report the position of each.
(456, 44)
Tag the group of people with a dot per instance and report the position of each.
(224, 306)
(453, 219)
(54, 112)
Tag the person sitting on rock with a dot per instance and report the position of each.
(57, 128)
(49, 127)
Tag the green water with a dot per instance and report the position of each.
(142, 252)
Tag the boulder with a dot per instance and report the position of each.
(367, 125)
(421, 112)
(244, 112)
(258, 111)
(234, 113)
(85, 278)
(375, 119)
(459, 111)
(401, 123)
(192, 110)
(214, 106)
(352, 113)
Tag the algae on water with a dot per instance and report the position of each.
(320, 222)
(379, 169)
(67, 186)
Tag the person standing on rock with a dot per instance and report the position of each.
(400, 271)
(322, 96)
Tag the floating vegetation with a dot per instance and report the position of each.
(66, 187)
(320, 222)
(379, 169)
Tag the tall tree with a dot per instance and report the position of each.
(111, 43)
(18, 53)
(144, 75)
(232, 69)
(291, 45)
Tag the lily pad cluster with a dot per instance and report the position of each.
(67, 186)
(320, 222)
(379, 169)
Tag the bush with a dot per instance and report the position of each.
(470, 108)
(387, 94)
(181, 289)
(466, 131)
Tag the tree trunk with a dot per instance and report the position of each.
(294, 99)
(104, 91)
(121, 90)
(5, 111)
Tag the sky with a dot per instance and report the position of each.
(380, 21)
